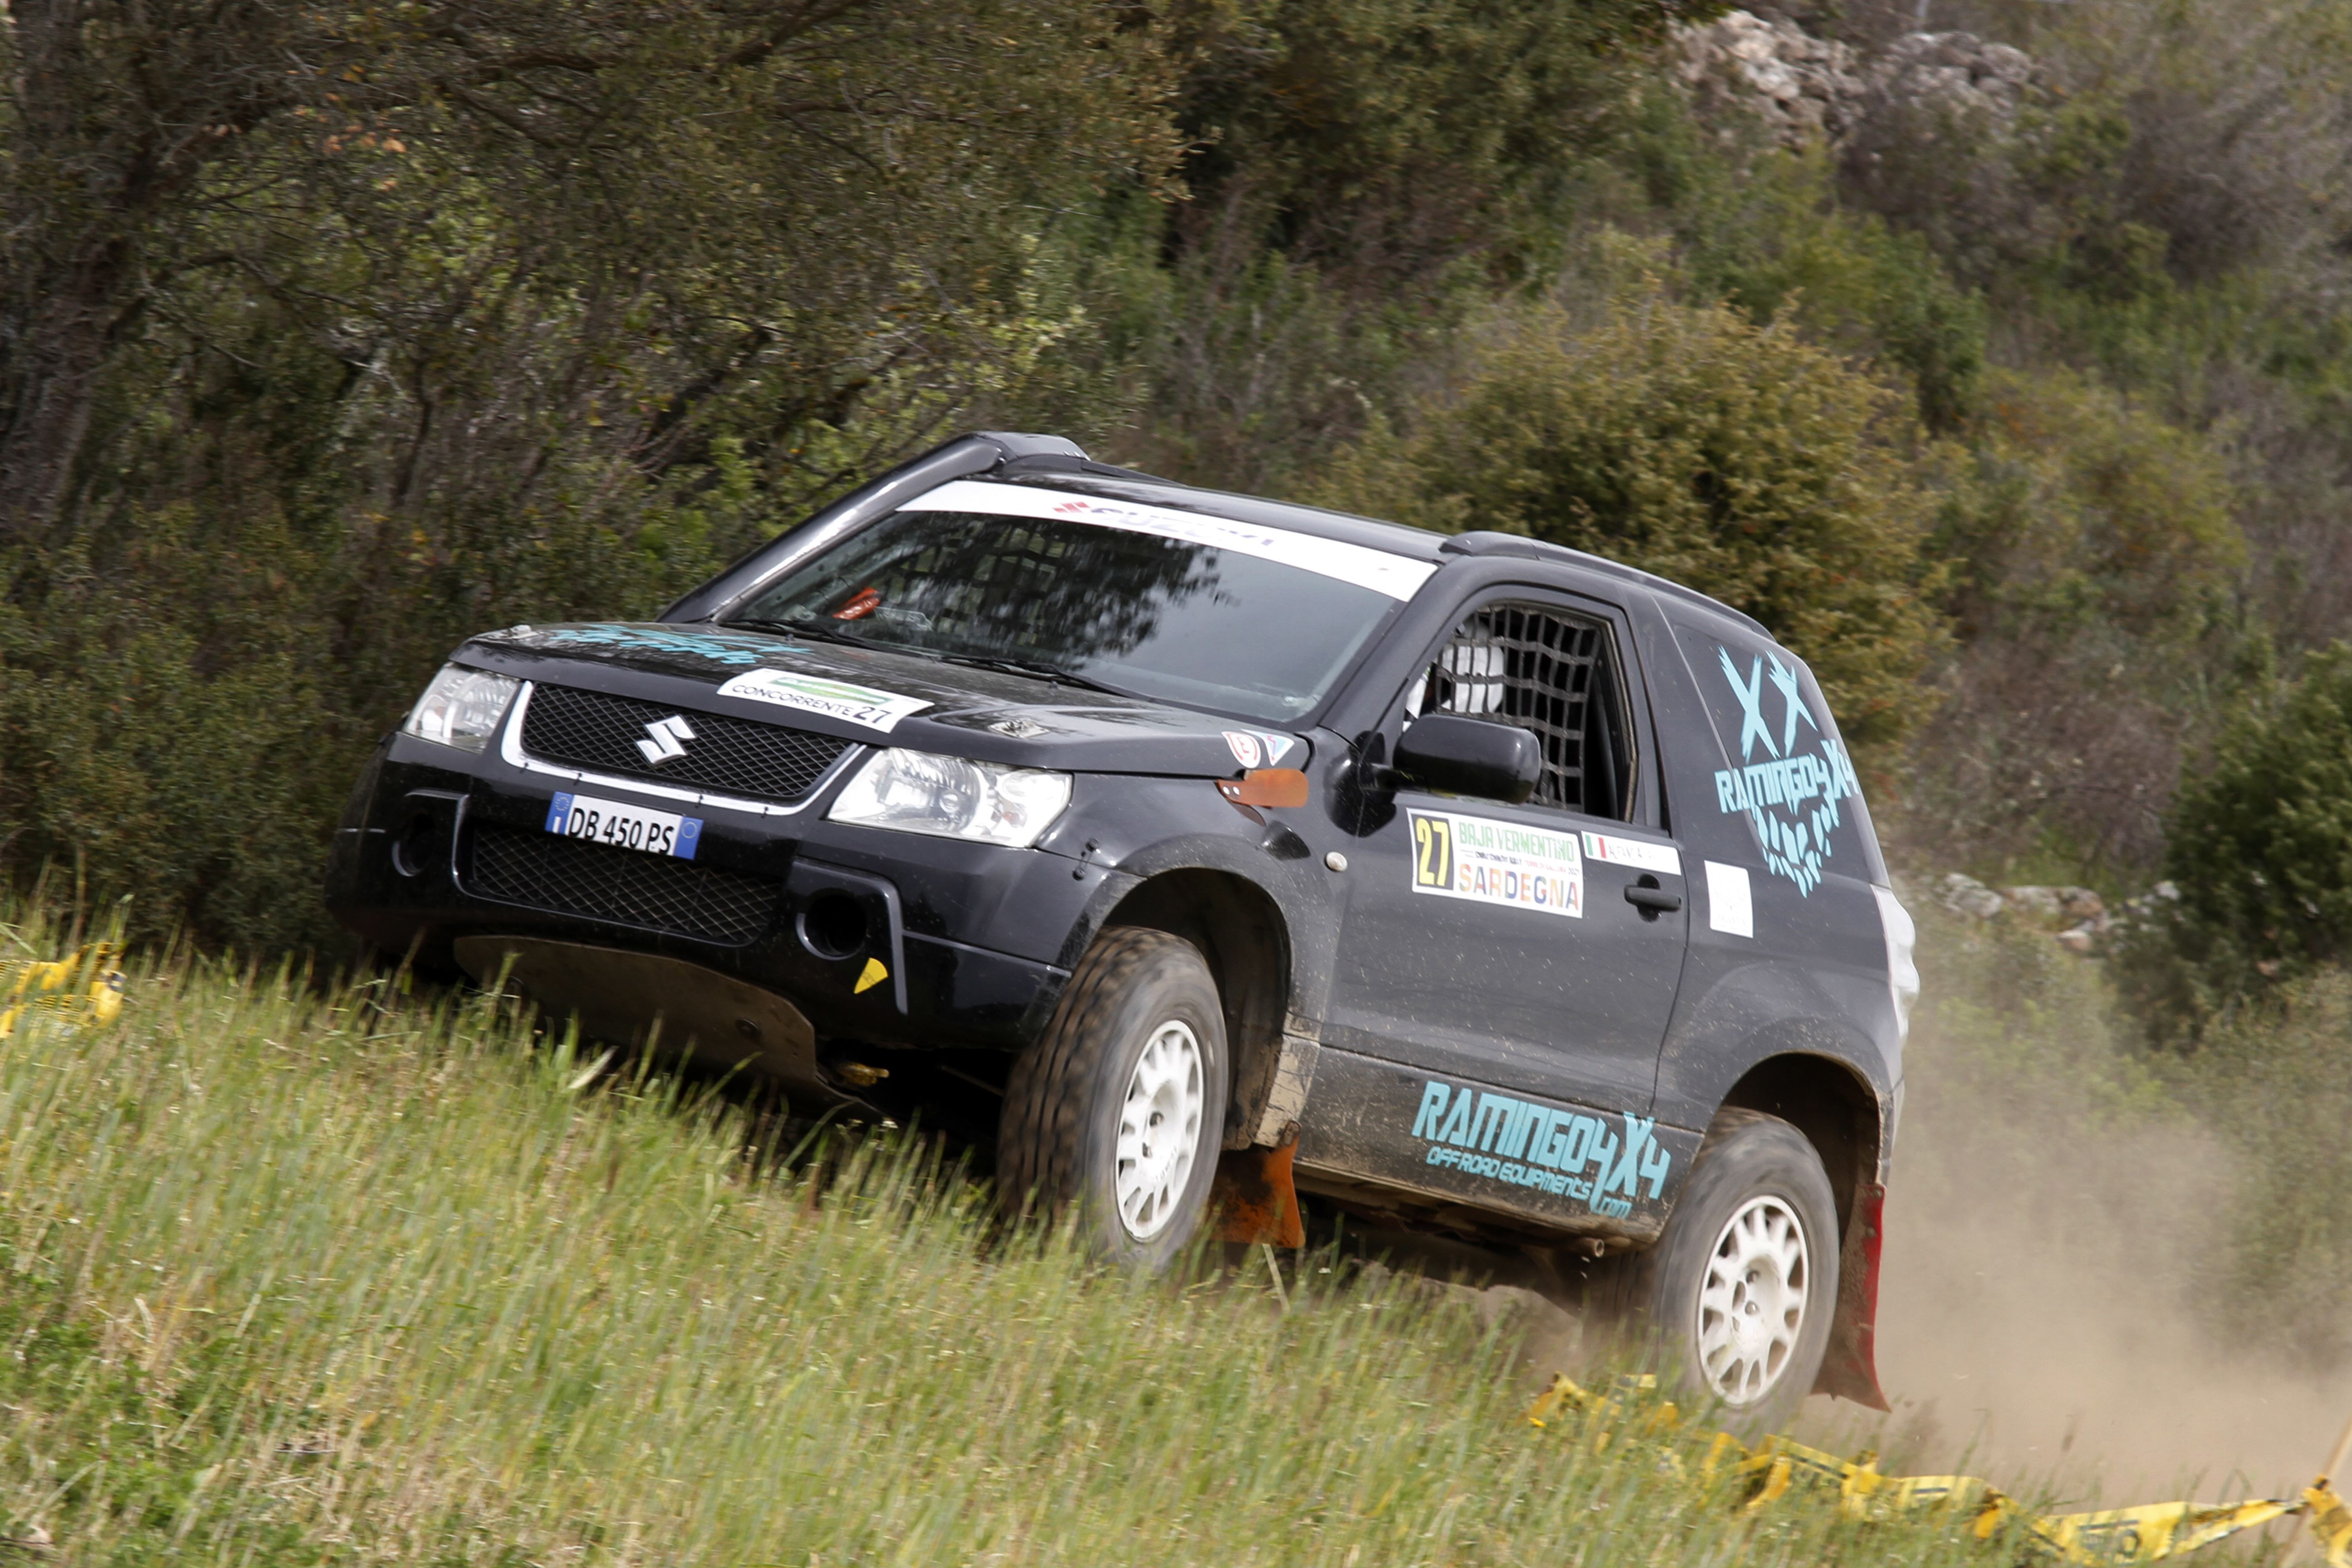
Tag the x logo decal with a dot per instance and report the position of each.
(1750, 694)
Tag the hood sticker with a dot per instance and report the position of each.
(719, 647)
(1250, 745)
(1639, 853)
(1779, 793)
(1482, 1133)
(1492, 862)
(833, 698)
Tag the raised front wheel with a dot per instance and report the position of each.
(1117, 1114)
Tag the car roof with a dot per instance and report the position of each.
(1087, 477)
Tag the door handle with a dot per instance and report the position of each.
(1651, 898)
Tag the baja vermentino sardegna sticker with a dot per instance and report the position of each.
(1496, 862)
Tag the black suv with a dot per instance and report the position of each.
(1178, 840)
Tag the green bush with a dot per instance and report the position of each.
(1693, 442)
(2260, 845)
(2093, 549)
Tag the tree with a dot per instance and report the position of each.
(807, 189)
(1694, 443)
(329, 335)
(2258, 848)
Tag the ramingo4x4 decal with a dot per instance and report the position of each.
(1792, 796)
(1541, 1146)
(1580, 1167)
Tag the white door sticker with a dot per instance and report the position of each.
(1728, 909)
(1458, 856)
(834, 699)
(1639, 853)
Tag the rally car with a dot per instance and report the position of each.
(1186, 844)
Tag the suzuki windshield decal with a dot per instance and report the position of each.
(1790, 794)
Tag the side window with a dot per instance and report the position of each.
(1550, 671)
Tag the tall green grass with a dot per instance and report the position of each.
(288, 1277)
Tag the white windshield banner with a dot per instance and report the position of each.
(1397, 576)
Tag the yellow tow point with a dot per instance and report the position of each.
(872, 975)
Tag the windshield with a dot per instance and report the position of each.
(1210, 624)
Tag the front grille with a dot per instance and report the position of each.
(598, 731)
(655, 892)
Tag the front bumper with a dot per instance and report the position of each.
(877, 937)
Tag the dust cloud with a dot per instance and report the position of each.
(2038, 1321)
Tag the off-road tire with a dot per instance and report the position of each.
(1057, 1141)
(1651, 1299)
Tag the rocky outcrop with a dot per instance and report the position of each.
(1801, 87)
(1806, 89)
(2077, 919)
(1958, 71)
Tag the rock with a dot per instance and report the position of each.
(2043, 902)
(1806, 89)
(1957, 69)
(1967, 896)
(1801, 87)
(2058, 903)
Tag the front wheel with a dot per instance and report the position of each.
(1734, 1298)
(1115, 1115)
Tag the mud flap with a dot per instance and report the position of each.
(1254, 1201)
(1849, 1368)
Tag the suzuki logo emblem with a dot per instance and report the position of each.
(664, 737)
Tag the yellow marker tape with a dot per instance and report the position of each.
(83, 989)
(2331, 1523)
(873, 974)
(1776, 1467)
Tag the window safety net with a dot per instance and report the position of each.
(1549, 673)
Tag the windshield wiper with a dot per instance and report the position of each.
(817, 629)
(1033, 667)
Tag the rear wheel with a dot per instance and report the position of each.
(1117, 1114)
(1734, 1300)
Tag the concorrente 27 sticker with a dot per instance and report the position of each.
(834, 699)
(1494, 862)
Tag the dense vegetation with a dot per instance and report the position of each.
(327, 337)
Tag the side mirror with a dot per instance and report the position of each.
(1470, 756)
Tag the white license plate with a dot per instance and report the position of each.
(624, 827)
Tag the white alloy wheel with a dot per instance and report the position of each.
(1159, 1131)
(1751, 1301)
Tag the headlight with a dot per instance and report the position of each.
(916, 791)
(461, 707)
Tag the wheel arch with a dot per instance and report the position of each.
(1832, 1104)
(1240, 931)
(1837, 1111)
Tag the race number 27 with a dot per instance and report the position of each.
(1433, 851)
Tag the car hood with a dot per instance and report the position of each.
(887, 698)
